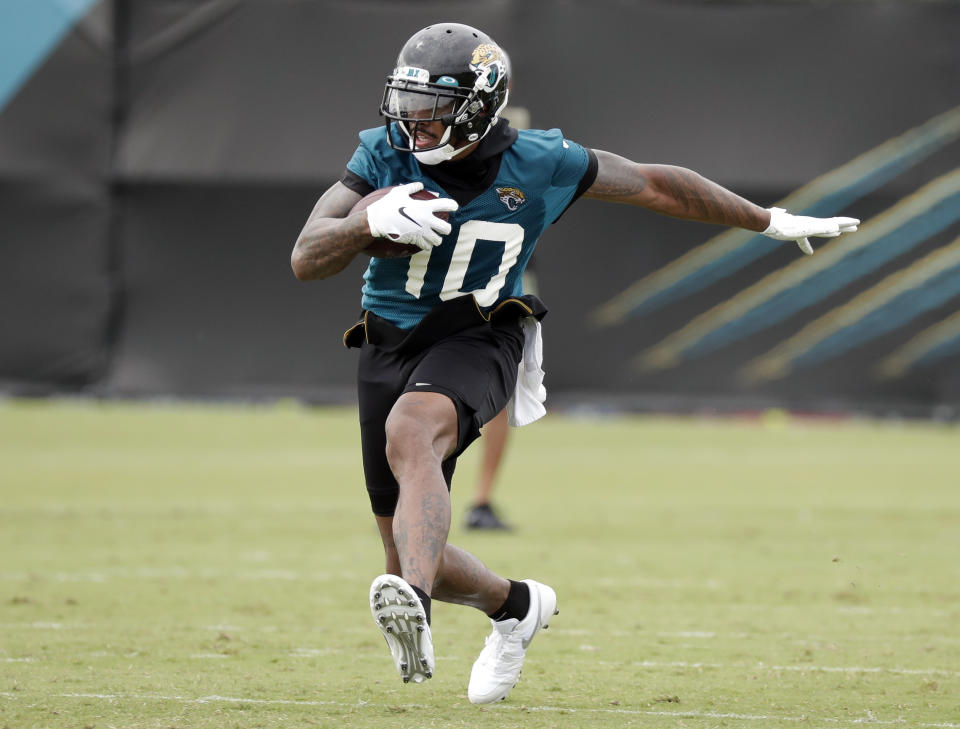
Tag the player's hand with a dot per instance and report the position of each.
(784, 226)
(401, 218)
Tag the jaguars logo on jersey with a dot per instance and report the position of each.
(511, 197)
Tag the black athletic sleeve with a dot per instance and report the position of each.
(362, 187)
(586, 181)
(589, 176)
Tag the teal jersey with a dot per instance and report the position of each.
(492, 236)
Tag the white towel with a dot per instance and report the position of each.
(526, 405)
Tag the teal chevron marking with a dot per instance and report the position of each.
(855, 266)
(927, 348)
(944, 350)
(899, 312)
(29, 31)
(830, 194)
(913, 220)
(898, 299)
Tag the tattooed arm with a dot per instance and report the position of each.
(331, 238)
(674, 191)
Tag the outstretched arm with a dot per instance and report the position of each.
(683, 193)
(674, 191)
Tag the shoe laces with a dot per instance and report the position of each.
(503, 648)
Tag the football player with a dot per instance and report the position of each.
(447, 337)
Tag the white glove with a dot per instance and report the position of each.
(401, 218)
(784, 226)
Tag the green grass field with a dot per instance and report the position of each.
(198, 566)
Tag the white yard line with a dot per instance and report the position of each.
(313, 652)
(794, 637)
(43, 625)
(174, 573)
(801, 669)
(664, 582)
(868, 720)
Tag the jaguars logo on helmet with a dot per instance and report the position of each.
(511, 197)
(488, 62)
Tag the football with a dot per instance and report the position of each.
(384, 247)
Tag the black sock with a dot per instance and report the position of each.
(517, 604)
(425, 599)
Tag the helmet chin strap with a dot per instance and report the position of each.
(445, 151)
(439, 154)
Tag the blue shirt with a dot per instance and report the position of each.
(492, 236)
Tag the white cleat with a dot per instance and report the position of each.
(399, 614)
(497, 669)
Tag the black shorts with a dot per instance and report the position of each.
(455, 351)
